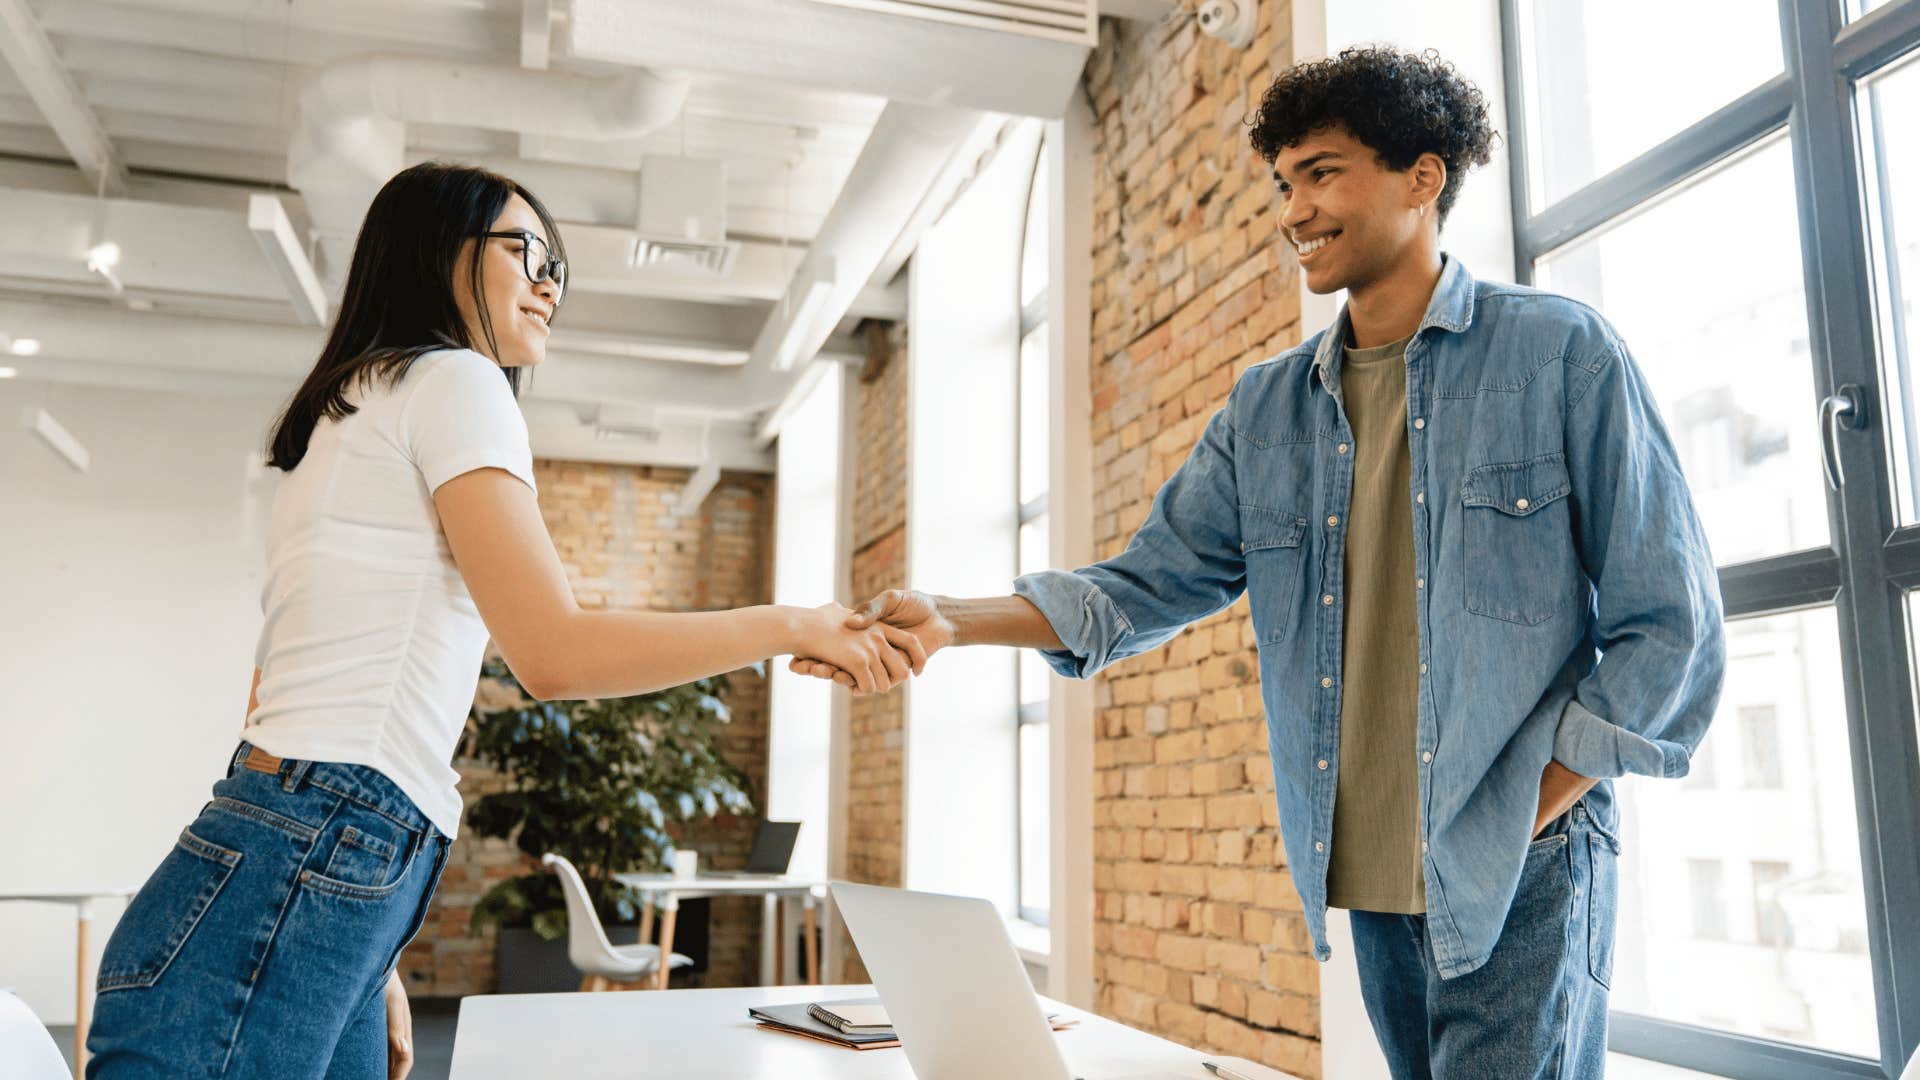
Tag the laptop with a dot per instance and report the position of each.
(955, 989)
(772, 851)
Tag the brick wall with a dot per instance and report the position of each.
(624, 548)
(1198, 933)
(876, 724)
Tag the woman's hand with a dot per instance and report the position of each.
(915, 615)
(399, 1029)
(873, 660)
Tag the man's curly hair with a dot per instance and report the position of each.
(1400, 104)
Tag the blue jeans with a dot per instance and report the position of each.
(261, 945)
(1538, 1007)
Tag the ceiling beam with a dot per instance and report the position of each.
(25, 47)
(911, 147)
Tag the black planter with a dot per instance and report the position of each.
(526, 965)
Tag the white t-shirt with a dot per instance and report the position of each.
(372, 645)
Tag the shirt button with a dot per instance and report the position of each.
(1325, 683)
(1423, 847)
(1521, 504)
(1333, 519)
(1423, 669)
(1420, 583)
(1318, 846)
(1327, 600)
(1421, 498)
(1323, 764)
(1427, 756)
(1342, 448)
(1419, 424)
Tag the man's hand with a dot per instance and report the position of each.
(916, 613)
(399, 1029)
(1560, 788)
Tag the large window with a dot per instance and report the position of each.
(1035, 430)
(1733, 184)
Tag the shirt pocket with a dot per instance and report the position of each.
(1271, 543)
(1520, 561)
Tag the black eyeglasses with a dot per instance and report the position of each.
(541, 264)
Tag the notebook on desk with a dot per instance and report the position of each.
(799, 1020)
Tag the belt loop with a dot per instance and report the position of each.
(239, 753)
(292, 773)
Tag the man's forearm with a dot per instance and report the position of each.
(999, 620)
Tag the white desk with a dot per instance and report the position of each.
(706, 1035)
(82, 905)
(666, 891)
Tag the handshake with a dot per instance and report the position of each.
(875, 648)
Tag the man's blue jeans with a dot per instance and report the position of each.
(1538, 1007)
(261, 945)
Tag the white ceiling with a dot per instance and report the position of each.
(193, 105)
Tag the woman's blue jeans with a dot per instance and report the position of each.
(261, 945)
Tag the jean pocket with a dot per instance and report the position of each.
(159, 920)
(363, 864)
(1521, 565)
(1602, 887)
(1271, 543)
(360, 858)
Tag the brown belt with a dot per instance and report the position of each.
(260, 761)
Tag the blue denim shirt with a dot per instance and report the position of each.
(1567, 603)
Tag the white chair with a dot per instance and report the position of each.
(599, 960)
(26, 1047)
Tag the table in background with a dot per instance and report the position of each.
(666, 891)
(81, 903)
(707, 1035)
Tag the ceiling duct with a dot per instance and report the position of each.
(683, 215)
(1072, 21)
(354, 114)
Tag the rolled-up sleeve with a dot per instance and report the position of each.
(1658, 613)
(1181, 566)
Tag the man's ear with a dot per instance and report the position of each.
(1429, 177)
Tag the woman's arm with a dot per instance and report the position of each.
(559, 651)
(253, 693)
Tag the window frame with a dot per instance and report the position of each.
(1872, 562)
(1033, 318)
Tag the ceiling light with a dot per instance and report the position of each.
(103, 257)
(799, 331)
(58, 438)
(7, 373)
(25, 346)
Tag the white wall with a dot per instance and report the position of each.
(128, 610)
(1480, 233)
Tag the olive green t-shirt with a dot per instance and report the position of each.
(1376, 863)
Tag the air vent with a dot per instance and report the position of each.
(1072, 21)
(683, 216)
(706, 258)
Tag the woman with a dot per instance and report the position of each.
(405, 533)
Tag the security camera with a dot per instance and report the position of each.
(1232, 21)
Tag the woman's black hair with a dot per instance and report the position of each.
(1399, 104)
(399, 303)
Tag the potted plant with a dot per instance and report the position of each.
(598, 781)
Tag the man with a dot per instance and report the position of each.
(1445, 508)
